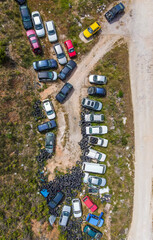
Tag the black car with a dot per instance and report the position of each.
(113, 12)
(66, 89)
(66, 71)
(26, 17)
(56, 200)
(47, 76)
(96, 91)
(21, 1)
(44, 64)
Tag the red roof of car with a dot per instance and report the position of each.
(69, 45)
(89, 203)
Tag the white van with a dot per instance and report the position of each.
(94, 167)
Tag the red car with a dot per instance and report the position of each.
(89, 203)
(35, 45)
(69, 46)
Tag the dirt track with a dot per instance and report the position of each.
(136, 27)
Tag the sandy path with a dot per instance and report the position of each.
(67, 156)
(141, 75)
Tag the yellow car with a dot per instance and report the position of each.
(91, 30)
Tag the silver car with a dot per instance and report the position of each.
(65, 214)
(38, 24)
(94, 117)
(98, 181)
(49, 109)
(93, 130)
(51, 31)
(60, 54)
(91, 104)
(97, 79)
(76, 206)
(102, 142)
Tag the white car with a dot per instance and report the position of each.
(96, 155)
(60, 54)
(51, 31)
(38, 24)
(49, 109)
(102, 142)
(94, 180)
(97, 79)
(91, 104)
(92, 130)
(65, 214)
(76, 207)
(94, 117)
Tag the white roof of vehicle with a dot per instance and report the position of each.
(37, 20)
(49, 25)
(47, 106)
(76, 204)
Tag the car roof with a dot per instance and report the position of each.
(50, 25)
(47, 105)
(58, 48)
(69, 43)
(43, 63)
(31, 31)
(37, 20)
(43, 74)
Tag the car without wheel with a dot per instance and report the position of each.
(26, 17)
(89, 203)
(91, 104)
(70, 49)
(97, 79)
(76, 207)
(93, 130)
(47, 76)
(47, 126)
(96, 91)
(49, 109)
(65, 214)
(51, 31)
(50, 142)
(94, 117)
(91, 153)
(56, 200)
(60, 54)
(38, 24)
(44, 64)
(35, 45)
(102, 142)
(92, 232)
(91, 30)
(67, 70)
(113, 12)
(62, 95)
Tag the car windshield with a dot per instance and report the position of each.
(26, 19)
(50, 112)
(100, 156)
(96, 105)
(62, 74)
(95, 78)
(51, 32)
(50, 74)
(90, 130)
(34, 41)
(77, 212)
(38, 26)
(71, 50)
(66, 214)
(90, 30)
(92, 104)
(100, 130)
(61, 94)
(99, 181)
(49, 125)
(32, 35)
(91, 117)
(61, 55)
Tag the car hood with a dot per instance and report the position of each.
(87, 34)
(52, 38)
(62, 61)
(40, 32)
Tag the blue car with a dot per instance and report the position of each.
(44, 64)
(66, 89)
(97, 91)
(95, 220)
(113, 12)
(92, 232)
(46, 126)
(56, 200)
(26, 17)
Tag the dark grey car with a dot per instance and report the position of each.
(50, 142)
(47, 76)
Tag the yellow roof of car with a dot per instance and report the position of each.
(94, 26)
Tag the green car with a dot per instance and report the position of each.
(50, 142)
(92, 232)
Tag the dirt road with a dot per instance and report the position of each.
(136, 26)
(141, 75)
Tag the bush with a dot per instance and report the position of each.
(120, 94)
(2, 53)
